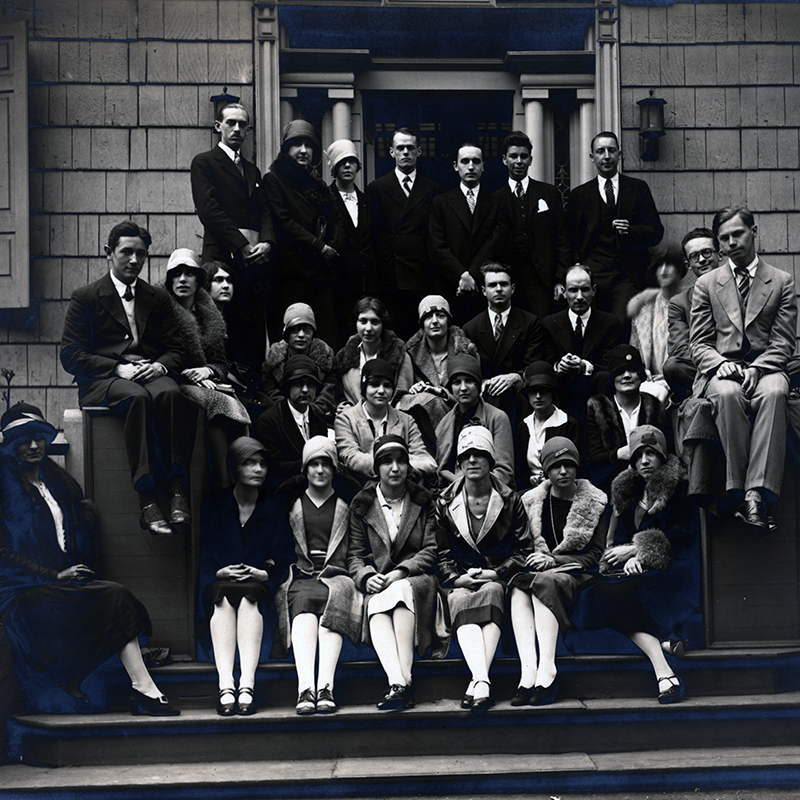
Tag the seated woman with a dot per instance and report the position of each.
(358, 426)
(568, 526)
(430, 349)
(373, 339)
(464, 381)
(611, 418)
(245, 550)
(542, 424)
(649, 315)
(650, 575)
(299, 338)
(484, 540)
(391, 559)
(319, 594)
(61, 621)
(202, 330)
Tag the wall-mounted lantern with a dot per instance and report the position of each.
(651, 126)
(223, 99)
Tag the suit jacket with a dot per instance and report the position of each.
(601, 336)
(400, 228)
(357, 262)
(544, 239)
(679, 314)
(635, 203)
(763, 337)
(226, 201)
(96, 333)
(278, 432)
(520, 345)
(458, 240)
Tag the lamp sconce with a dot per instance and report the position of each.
(651, 126)
(223, 99)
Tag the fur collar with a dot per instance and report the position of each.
(320, 352)
(587, 508)
(457, 345)
(628, 487)
(609, 422)
(302, 181)
(391, 349)
(363, 501)
(202, 332)
(639, 301)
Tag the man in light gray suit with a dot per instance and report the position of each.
(742, 335)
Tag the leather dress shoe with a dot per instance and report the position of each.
(482, 703)
(467, 700)
(772, 523)
(306, 703)
(179, 513)
(152, 706)
(545, 695)
(325, 702)
(227, 709)
(676, 691)
(152, 521)
(523, 696)
(245, 708)
(397, 697)
(751, 512)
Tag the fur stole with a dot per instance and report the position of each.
(629, 487)
(202, 332)
(653, 549)
(639, 301)
(584, 514)
(612, 433)
(362, 502)
(305, 183)
(319, 352)
(391, 349)
(457, 345)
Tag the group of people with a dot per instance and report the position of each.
(396, 489)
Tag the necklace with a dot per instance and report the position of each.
(556, 536)
(392, 501)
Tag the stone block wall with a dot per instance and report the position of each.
(119, 105)
(730, 73)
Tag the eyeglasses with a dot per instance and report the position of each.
(707, 253)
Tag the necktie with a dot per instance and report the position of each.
(743, 284)
(237, 160)
(350, 197)
(577, 338)
(519, 190)
(306, 431)
(498, 327)
(407, 185)
(610, 193)
(128, 295)
(471, 201)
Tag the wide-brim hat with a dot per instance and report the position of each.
(646, 435)
(25, 421)
(300, 129)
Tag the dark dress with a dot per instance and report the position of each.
(264, 541)
(661, 600)
(573, 532)
(65, 629)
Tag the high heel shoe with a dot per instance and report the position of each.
(245, 709)
(676, 691)
(523, 696)
(675, 647)
(227, 709)
(545, 695)
(482, 703)
(152, 706)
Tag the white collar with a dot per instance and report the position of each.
(298, 417)
(751, 268)
(512, 184)
(503, 315)
(573, 318)
(401, 176)
(228, 152)
(601, 182)
(380, 421)
(465, 189)
(634, 415)
(122, 287)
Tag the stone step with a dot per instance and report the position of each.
(438, 728)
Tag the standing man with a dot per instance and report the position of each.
(701, 249)
(401, 207)
(742, 335)
(237, 224)
(612, 221)
(537, 244)
(463, 232)
(121, 342)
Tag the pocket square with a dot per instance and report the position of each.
(542, 206)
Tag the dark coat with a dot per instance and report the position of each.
(503, 544)
(635, 203)
(202, 334)
(306, 220)
(601, 336)
(459, 241)
(400, 229)
(96, 333)
(372, 552)
(543, 241)
(225, 201)
(357, 258)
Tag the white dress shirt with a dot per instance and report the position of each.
(601, 185)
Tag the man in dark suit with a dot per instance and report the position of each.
(356, 264)
(578, 342)
(237, 223)
(121, 342)
(701, 249)
(463, 232)
(401, 207)
(508, 340)
(286, 427)
(537, 243)
(742, 336)
(612, 222)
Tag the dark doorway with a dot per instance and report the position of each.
(442, 120)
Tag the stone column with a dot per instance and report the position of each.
(268, 125)
(342, 102)
(583, 170)
(533, 102)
